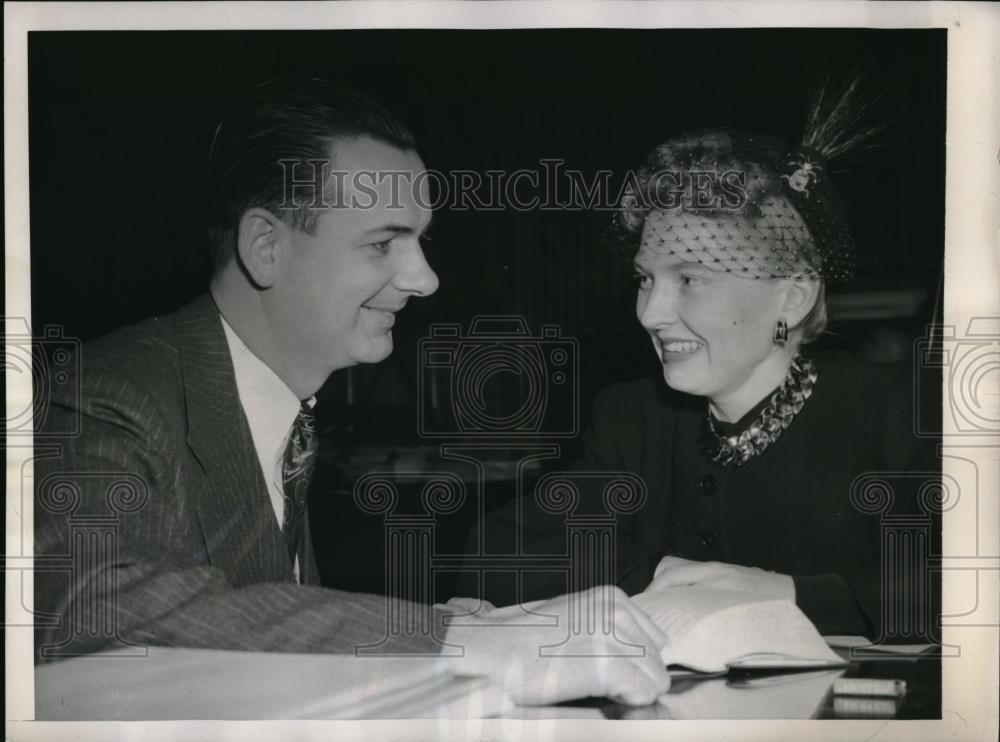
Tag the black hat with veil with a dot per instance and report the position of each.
(747, 203)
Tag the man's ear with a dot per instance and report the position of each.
(259, 244)
(800, 297)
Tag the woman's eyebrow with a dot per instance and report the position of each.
(695, 268)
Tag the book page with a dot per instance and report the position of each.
(864, 643)
(709, 630)
(676, 611)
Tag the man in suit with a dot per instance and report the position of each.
(196, 428)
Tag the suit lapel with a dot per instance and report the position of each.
(238, 521)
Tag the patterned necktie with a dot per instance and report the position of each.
(300, 460)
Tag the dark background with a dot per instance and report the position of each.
(120, 125)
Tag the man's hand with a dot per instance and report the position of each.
(592, 643)
(675, 572)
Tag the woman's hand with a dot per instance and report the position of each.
(674, 572)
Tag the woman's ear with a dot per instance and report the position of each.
(799, 300)
(259, 245)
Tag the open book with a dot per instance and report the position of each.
(713, 630)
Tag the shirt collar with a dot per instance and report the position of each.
(270, 406)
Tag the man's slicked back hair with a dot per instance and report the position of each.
(272, 133)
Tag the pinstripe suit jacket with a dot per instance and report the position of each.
(154, 526)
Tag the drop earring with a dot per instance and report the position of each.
(780, 331)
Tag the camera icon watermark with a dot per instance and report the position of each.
(498, 381)
(52, 363)
(971, 366)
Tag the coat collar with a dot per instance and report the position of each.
(241, 531)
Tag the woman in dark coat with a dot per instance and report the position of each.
(769, 469)
(766, 468)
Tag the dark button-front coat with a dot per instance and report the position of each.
(844, 501)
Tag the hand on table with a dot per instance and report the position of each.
(674, 572)
(556, 650)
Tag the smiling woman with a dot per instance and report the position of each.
(754, 448)
(755, 452)
(712, 331)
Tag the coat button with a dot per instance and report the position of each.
(707, 484)
(708, 537)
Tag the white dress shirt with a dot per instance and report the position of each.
(271, 408)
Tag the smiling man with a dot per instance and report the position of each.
(197, 429)
(325, 298)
